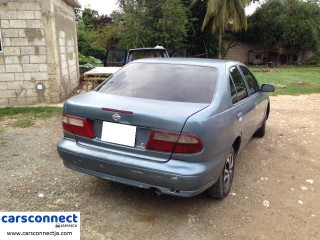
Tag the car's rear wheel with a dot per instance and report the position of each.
(222, 187)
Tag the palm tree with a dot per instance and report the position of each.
(225, 15)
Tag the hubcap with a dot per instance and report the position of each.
(228, 172)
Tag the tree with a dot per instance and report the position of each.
(88, 17)
(88, 45)
(101, 21)
(106, 35)
(199, 43)
(225, 14)
(147, 23)
(96, 33)
(294, 23)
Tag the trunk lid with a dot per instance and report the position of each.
(144, 114)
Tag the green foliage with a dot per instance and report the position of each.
(96, 33)
(294, 23)
(290, 80)
(263, 29)
(88, 45)
(314, 60)
(200, 43)
(225, 15)
(87, 63)
(87, 18)
(106, 35)
(151, 23)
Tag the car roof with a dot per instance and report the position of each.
(190, 61)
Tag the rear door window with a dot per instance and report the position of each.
(167, 82)
(240, 86)
(252, 82)
(233, 92)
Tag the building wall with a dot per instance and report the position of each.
(306, 55)
(39, 61)
(66, 37)
(239, 52)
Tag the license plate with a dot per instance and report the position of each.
(119, 134)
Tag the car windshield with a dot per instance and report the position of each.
(167, 82)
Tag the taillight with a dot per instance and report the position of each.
(77, 125)
(174, 142)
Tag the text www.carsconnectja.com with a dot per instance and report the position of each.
(52, 233)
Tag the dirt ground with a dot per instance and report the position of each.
(276, 191)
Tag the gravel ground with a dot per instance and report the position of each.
(275, 193)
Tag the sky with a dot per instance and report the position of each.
(107, 6)
(102, 6)
(252, 7)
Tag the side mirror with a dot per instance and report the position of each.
(267, 88)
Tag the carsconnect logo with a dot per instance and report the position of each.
(39, 219)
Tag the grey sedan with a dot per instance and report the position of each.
(172, 125)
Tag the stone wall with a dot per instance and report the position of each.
(39, 60)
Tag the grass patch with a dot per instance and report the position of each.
(25, 117)
(23, 122)
(290, 80)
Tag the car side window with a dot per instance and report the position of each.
(241, 88)
(233, 92)
(252, 82)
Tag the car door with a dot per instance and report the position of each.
(243, 106)
(255, 95)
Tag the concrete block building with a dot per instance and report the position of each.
(38, 51)
(250, 53)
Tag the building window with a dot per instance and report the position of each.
(1, 49)
(258, 56)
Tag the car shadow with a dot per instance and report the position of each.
(140, 199)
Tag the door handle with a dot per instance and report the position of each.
(256, 105)
(239, 115)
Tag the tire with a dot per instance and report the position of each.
(222, 187)
(262, 130)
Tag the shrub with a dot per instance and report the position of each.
(87, 63)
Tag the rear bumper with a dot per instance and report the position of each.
(175, 177)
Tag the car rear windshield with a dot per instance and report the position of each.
(167, 82)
